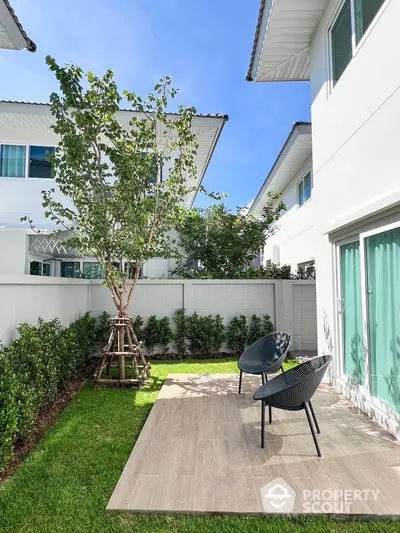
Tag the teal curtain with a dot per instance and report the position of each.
(12, 161)
(383, 285)
(352, 312)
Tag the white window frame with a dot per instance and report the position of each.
(355, 47)
(303, 175)
(41, 260)
(347, 381)
(81, 260)
(27, 154)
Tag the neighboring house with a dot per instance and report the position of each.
(291, 175)
(12, 34)
(25, 137)
(349, 50)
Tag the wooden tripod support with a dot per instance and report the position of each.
(120, 347)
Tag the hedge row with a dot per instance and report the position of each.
(194, 335)
(33, 368)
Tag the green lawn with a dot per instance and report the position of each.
(65, 484)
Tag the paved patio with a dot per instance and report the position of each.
(199, 452)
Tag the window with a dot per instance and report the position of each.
(39, 268)
(39, 165)
(304, 189)
(354, 16)
(92, 270)
(12, 161)
(70, 269)
(365, 11)
(341, 42)
(132, 269)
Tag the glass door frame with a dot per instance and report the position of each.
(364, 390)
(348, 380)
(363, 236)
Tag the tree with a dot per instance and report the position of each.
(221, 244)
(118, 206)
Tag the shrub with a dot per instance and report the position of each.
(267, 325)
(307, 272)
(218, 334)
(103, 327)
(33, 369)
(138, 328)
(236, 334)
(194, 333)
(256, 330)
(150, 334)
(164, 333)
(180, 331)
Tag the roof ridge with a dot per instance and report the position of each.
(46, 104)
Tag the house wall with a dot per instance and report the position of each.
(290, 304)
(356, 156)
(22, 196)
(13, 251)
(294, 241)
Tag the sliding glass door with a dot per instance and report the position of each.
(382, 265)
(351, 311)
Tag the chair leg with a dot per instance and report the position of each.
(262, 423)
(314, 417)
(282, 369)
(314, 436)
(240, 382)
(269, 407)
(263, 378)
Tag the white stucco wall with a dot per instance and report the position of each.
(22, 196)
(294, 241)
(290, 304)
(26, 298)
(13, 251)
(356, 156)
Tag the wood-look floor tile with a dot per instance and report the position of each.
(126, 483)
(199, 451)
(183, 494)
(168, 473)
(142, 493)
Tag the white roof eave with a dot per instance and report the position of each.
(297, 150)
(281, 50)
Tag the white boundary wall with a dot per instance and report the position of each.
(291, 304)
(26, 298)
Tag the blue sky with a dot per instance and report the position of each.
(204, 45)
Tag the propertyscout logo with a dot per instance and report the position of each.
(279, 497)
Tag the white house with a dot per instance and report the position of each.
(25, 137)
(291, 176)
(349, 50)
(12, 34)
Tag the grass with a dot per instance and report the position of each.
(65, 483)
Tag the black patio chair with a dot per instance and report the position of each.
(293, 390)
(265, 356)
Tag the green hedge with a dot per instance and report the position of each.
(33, 368)
(195, 336)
